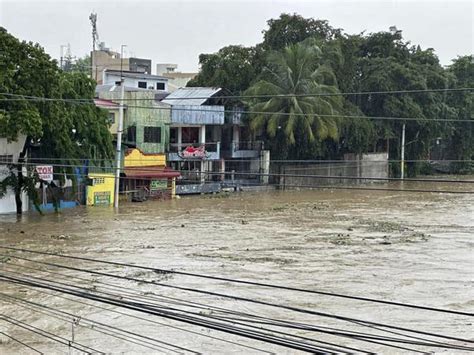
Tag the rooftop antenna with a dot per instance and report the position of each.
(95, 39)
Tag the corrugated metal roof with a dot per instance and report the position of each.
(184, 96)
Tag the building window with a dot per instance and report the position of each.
(132, 134)
(98, 181)
(6, 158)
(160, 86)
(152, 135)
(142, 84)
(111, 118)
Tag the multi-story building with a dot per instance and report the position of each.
(107, 59)
(135, 80)
(176, 79)
(205, 137)
(145, 139)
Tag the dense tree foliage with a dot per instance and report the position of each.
(56, 128)
(381, 61)
(296, 70)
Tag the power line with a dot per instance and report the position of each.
(239, 298)
(354, 93)
(152, 310)
(245, 173)
(254, 283)
(97, 326)
(355, 335)
(262, 336)
(378, 118)
(22, 343)
(49, 335)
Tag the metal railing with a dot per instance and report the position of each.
(247, 145)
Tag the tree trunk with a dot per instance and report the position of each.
(18, 188)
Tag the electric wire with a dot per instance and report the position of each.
(291, 308)
(96, 326)
(22, 343)
(383, 118)
(165, 308)
(280, 175)
(49, 335)
(391, 345)
(253, 283)
(186, 319)
(353, 93)
(368, 336)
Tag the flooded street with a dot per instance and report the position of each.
(415, 248)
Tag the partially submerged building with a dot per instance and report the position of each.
(206, 135)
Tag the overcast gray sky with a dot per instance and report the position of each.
(177, 31)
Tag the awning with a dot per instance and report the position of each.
(157, 172)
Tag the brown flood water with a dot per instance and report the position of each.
(407, 247)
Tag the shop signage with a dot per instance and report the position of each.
(158, 185)
(45, 172)
(191, 152)
(102, 198)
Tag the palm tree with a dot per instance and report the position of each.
(297, 70)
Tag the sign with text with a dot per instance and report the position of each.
(45, 172)
(102, 198)
(158, 185)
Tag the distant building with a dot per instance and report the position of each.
(176, 79)
(107, 59)
(135, 80)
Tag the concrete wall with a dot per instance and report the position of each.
(365, 165)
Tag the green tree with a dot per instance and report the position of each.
(291, 29)
(301, 121)
(461, 135)
(60, 129)
(81, 65)
(232, 67)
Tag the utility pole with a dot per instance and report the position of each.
(402, 154)
(118, 156)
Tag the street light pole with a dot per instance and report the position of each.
(118, 156)
(402, 154)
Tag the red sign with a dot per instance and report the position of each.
(194, 153)
(45, 172)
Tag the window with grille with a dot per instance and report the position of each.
(6, 158)
(160, 86)
(152, 135)
(142, 84)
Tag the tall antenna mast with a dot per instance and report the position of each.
(95, 39)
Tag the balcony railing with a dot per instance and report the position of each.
(246, 149)
(194, 151)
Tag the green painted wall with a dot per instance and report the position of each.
(143, 111)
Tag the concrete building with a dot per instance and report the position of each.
(107, 59)
(176, 79)
(135, 80)
(145, 139)
(205, 139)
(10, 153)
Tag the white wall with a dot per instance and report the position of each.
(133, 82)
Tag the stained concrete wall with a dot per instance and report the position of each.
(353, 166)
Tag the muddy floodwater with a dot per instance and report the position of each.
(405, 247)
